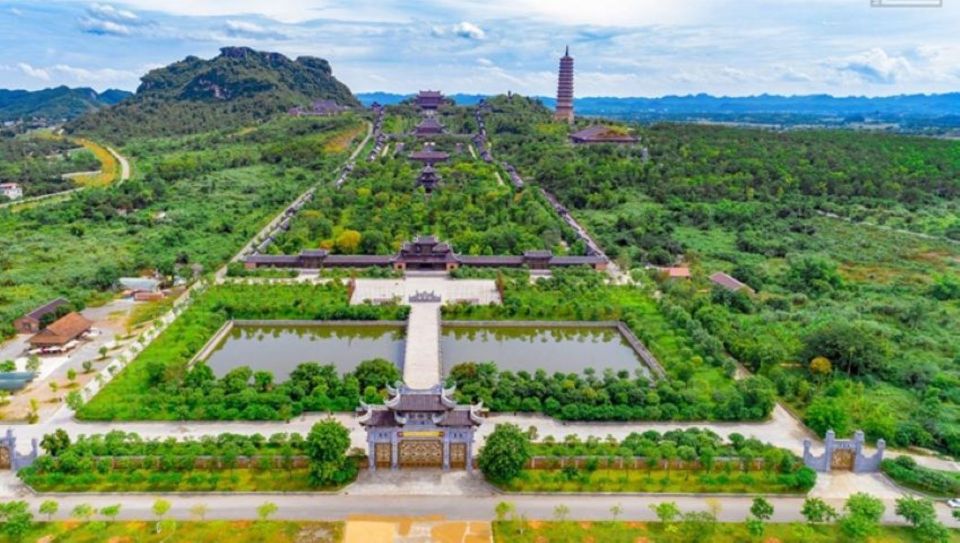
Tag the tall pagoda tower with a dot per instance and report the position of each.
(565, 89)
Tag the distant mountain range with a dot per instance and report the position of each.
(239, 87)
(56, 103)
(911, 110)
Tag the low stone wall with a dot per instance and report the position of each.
(656, 369)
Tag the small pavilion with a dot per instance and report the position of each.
(428, 127)
(428, 179)
(420, 428)
(429, 155)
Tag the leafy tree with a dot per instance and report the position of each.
(348, 241)
(761, 508)
(504, 453)
(326, 446)
(862, 516)
(820, 368)
(33, 363)
(74, 400)
(49, 508)
(84, 511)
(15, 519)
(266, 510)
(851, 347)
(56, 443)
(667, 512)
(111, 511)
(828, 414)
(915, 510)
(160, 508)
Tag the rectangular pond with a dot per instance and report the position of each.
(566, 349)
(279, 349)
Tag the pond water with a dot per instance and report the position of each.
(280, 349)
(567, 349)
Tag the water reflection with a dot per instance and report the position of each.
(280, 349)
(566, 349)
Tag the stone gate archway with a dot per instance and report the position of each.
(843, 454)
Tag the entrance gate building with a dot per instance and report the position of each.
(420, 429)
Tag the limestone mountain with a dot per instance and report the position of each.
(239, 87)
(56, 103)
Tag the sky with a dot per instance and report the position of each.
(621, 47)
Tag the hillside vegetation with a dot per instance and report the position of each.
(56, 103)
(849, 240)
(239, 87)
(193, 200)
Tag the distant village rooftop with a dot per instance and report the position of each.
(729, 282)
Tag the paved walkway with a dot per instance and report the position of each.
(421, 357)
(420, 482)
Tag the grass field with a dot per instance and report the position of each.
(109, 166)
(193, 532)
(636, 532)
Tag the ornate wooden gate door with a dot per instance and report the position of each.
(383, 455)
(5, 459)
(842, 459)
(458, 455)
(421, 453)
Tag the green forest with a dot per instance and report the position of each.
(37, 163)
(380, 207)
(849, 240)
(193, 200)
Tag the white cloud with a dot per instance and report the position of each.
(485, 61)
(16, 12)
(38, 73)
(463, 29)
(873, 66)
(245, 29)
(110, 13)
(102, 27)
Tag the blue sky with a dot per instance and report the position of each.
(622, 47)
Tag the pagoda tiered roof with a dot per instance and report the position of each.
(436, 402)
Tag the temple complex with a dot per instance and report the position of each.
(429, 155)
(429, 100)
(420, 428)
(424, 253)
(428, 179)
(429, 126)
(564, 111)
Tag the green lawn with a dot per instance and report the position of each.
(193, 532)
(636, 532)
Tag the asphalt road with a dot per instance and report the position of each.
(340, 507)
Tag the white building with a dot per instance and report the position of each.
(11, 190)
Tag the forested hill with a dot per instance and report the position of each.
(239, 87)
(56, 103)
